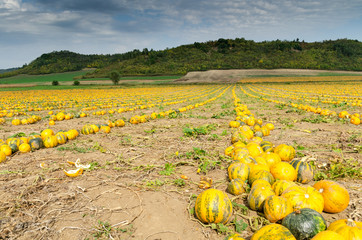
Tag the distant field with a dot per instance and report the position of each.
(69, 76)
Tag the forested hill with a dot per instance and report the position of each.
(342, 54)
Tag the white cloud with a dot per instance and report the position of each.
(110, 26)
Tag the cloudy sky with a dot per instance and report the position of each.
(29, 28)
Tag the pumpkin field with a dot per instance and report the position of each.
(261, 158)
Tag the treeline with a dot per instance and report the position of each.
(342, 54)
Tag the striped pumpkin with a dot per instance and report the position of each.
(305, 171)
(273, 232)
(213, 206)
(240, 153)
(238, 170)
(267, 146)
(87, 129)
(285, 152)
(304, 197)
(50, 141)
(61, 137)
(235, 236)
(281, 185)
(236, 186)
(261, 174)
(260, 182)
(238, 136)
(276, 208)
(257, 196)
(15, 141)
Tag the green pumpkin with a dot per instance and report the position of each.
(14, 147)
(305, 223)
(36, 143)
(304, 170)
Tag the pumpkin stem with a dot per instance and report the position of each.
(351, 223)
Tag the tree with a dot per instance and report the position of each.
(115, 76)
(55, 83)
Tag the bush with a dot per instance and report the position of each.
(55, 83)
(76, 83)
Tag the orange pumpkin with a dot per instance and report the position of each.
(336, 197)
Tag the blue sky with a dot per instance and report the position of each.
(29, 28)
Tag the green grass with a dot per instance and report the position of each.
(69, 76)
(60, 77)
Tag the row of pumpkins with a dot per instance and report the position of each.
(276, 190)
(354, 118)
(49, 139)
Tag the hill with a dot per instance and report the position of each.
(342, 54)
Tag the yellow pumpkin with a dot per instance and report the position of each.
(254, 149)
(106, 129)
(6, 149)
(50, 141)
(328, 235)
(285, 152)
(271, 158)
(273, 232)
(281, 185)
(2, 156)
(24, 148)
(304, 197)
(46, 132)
(283, 171)
(351, 230)
(276, 208)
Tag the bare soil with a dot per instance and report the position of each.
(126, 195)
(231, 76)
